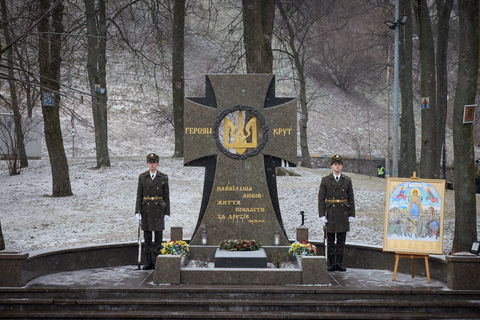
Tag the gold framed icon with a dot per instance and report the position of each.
(414, 215)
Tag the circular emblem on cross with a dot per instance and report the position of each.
(240, 132)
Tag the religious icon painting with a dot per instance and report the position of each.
(414, 215)
(425, 102)
(469, 113)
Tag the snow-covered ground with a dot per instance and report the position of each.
(102, 207)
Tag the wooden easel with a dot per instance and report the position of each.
(412, 256)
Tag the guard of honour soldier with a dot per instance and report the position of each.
(336, 208)
(152, 208)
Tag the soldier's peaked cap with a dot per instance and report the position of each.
(336, 159)
(152, 156)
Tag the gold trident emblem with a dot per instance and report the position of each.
(240, 143)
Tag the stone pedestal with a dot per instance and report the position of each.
(11, 266)
(240, 259)
(462, 272)
(176, 233)
(302, 234)
(314, 269)
(167, 269)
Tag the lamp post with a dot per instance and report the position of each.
(395, 26)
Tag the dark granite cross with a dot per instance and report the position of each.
(240, 132)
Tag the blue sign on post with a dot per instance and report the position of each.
(48, 99)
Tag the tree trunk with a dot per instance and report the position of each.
(408, 156)
(49, 56)
(465, 93)
(178, 79)
(2, 241)
(444, 8)
(17, 116)
(429, 163)
(299, 62)
(258, 18)
(306, 161)
(96, 66)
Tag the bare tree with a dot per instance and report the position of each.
(96, 66)
(294, 27)
(346, 51)
(429, 161)
(465, 94)
(2, 241)
(49, 56)
(8, 143)
(408, 155)
(444, 9)
(178, 80)
(143, 28)
(258, 18)
(14, 103)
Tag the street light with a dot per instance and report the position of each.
(394, 25)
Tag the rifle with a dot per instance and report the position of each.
(325, 240)
(139, 259)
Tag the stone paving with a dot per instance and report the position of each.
(130, 277)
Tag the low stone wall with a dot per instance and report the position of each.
(463, 271)
(44, 262)
(367, 166)
(371, 257)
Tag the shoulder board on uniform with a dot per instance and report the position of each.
(328, 176)
(166, 175)
(346, 177)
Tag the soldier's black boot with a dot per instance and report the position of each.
(331, 262)
(338, 265)
(331, 250)
(339, 252)
(149, 262)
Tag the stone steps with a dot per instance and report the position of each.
(231, 305)
(229, 315)
(321, 293)
(270, 302)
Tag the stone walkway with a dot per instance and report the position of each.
(131, 277)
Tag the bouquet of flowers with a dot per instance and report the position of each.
(302, 249)
(240, 245)
(175, 248)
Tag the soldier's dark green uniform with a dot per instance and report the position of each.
(336, 202)
(153, 203)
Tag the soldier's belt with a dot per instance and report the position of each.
(152, 198)
(336, 200)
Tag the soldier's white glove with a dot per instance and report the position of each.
(323, 220)
(138, 216)
(351, 219)
(165, 218)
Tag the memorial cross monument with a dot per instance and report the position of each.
(240, 132)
